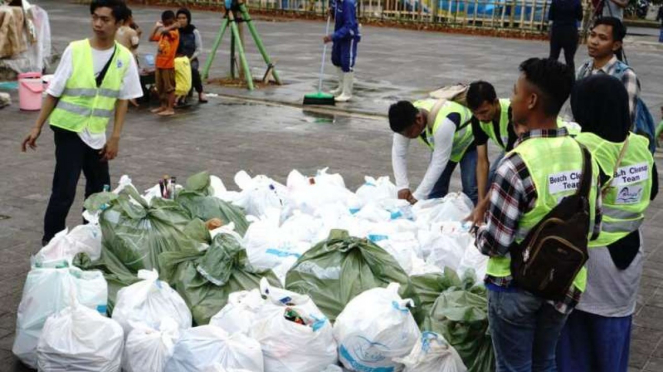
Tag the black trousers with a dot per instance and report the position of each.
(72, 156)
(196, 81)
(564, 37)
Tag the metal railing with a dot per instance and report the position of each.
(523, 15)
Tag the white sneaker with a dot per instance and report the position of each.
(348, 82)
(339, 90)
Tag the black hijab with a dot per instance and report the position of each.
(600, 105)
(189, 27)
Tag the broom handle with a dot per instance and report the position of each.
(324, 56)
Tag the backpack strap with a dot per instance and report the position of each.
(432, 114)
(586, 182)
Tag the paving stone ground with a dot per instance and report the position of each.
(263, 132)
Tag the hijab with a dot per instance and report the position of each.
(189, 27)
(600, 104)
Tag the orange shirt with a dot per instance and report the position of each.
(167, 49)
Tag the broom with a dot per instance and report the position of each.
(320, 98)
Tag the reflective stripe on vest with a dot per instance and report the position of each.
(626, 195)
(552, 181)
(81, 92)
(489, 128)
(463, 137)
(82, 104)
(83, 111)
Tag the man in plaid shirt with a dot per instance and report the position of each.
(604, 45)
(525, 328)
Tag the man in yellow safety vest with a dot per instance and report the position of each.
(94, 81)
(529, 182)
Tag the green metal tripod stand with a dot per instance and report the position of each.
(232, 20)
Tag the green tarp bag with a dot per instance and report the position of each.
(206, 278)
(136, 232)
(460, 315)
(336, 270)
(198, 200)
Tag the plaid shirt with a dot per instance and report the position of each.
(513, 194)
(629, 79)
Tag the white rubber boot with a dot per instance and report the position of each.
(339, 90)
(348, 82)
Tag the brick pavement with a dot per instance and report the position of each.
(229, 134)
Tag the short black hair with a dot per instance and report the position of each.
(479, 92)
(552, 78)
(167, 15)
(618, 28)
(402, 115)
(118, 8)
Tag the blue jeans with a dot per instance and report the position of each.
(468, 177)
(525, 330)
(592, 342)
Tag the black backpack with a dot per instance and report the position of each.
(547, 261)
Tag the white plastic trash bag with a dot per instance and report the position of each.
(148, 349)
(268, 248)
(473, 260)
(374, 328)
(453, 207)
(148, 301)
(374, 190)
(240, 312)
(446, 244)
(66, 244)
(309, 194)
(402, 246)
(219, 368)
(80, 339)
(294, 334)
(432, 353)
(201, 348)
(259, 194)
(47, 291)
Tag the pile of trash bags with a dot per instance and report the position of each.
(306, 276)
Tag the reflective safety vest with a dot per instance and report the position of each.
(463, 138)
(555, 165)
(489, 128)
(83, 104)
(626, 195)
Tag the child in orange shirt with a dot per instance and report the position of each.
(165, 32)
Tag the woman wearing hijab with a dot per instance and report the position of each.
(191, 46)
(597, 334)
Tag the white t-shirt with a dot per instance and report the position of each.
(130, 86)
(444, 139)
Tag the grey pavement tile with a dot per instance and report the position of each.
(8, 321)
(6, 342)
(654, 365)
(644, 318)
(638, 360)
(650, 336)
